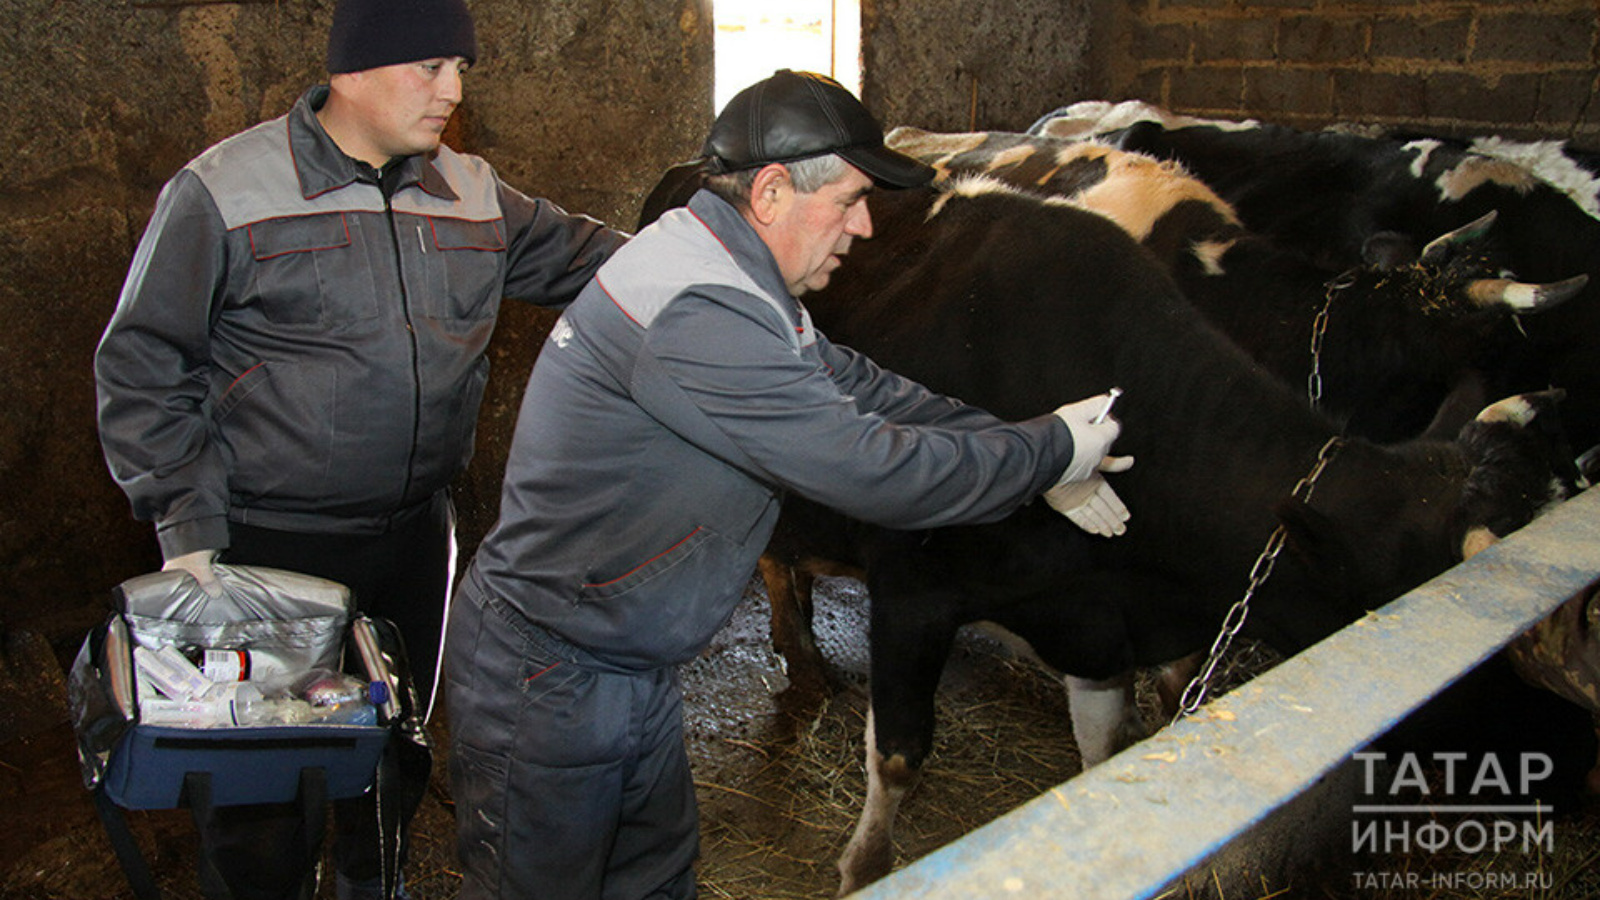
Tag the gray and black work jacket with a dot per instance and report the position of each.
(677, 399)
(297, 348)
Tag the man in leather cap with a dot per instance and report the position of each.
(675, 402)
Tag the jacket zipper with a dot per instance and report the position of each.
(416, 354)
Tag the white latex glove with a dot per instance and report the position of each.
(1091, 504)
(1091, 441)
(198, 565)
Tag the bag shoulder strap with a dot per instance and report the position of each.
(123, 844)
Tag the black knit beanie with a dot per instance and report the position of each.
(367, 34)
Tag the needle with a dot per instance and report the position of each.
(1111, 398)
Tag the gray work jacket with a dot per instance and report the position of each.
(293, 349)
(673, 404)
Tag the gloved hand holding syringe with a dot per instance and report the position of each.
(1082, 494)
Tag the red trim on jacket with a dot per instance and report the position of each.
(647, 562)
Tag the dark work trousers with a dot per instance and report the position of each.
(402, 575)
(570, 777)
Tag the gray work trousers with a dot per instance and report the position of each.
(570, 778)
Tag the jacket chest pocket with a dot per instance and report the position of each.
(465, 261)
(308, 271)
(611, 585)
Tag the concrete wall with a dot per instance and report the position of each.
(958, 65)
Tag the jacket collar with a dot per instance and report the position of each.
(742, 242)
(323, 167)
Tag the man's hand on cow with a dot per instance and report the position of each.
(198, 565)
(1091, 504)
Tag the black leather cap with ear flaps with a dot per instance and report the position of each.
(797, 115)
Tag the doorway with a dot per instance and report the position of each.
(756, 37)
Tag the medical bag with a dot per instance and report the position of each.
(279, 724)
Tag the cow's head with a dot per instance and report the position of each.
(1451, 323)
(1459, 277)
(1466, 269)
(1366, 546)
(1520, 463)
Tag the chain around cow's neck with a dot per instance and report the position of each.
(1195, 694)
(1319, 330)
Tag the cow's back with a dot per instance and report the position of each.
(1049, 304)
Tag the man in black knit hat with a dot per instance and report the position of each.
(293, 372)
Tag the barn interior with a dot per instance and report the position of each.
(586, 102)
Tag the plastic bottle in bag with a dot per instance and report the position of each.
(252, 708)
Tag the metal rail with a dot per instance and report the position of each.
(1144, 818)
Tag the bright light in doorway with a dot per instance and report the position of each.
(757, 37)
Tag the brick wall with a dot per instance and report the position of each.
(1520, 69)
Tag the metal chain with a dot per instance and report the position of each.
(1319, 329)
(1194, 695)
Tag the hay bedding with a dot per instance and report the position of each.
(780, 789)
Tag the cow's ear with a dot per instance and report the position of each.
(1316, 542)
(1389, 250)
(676, 186)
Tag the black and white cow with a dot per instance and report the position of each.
(1012, 304)
(1326, 193)
(1398, 346)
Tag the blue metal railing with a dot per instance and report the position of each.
(1131, 826)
